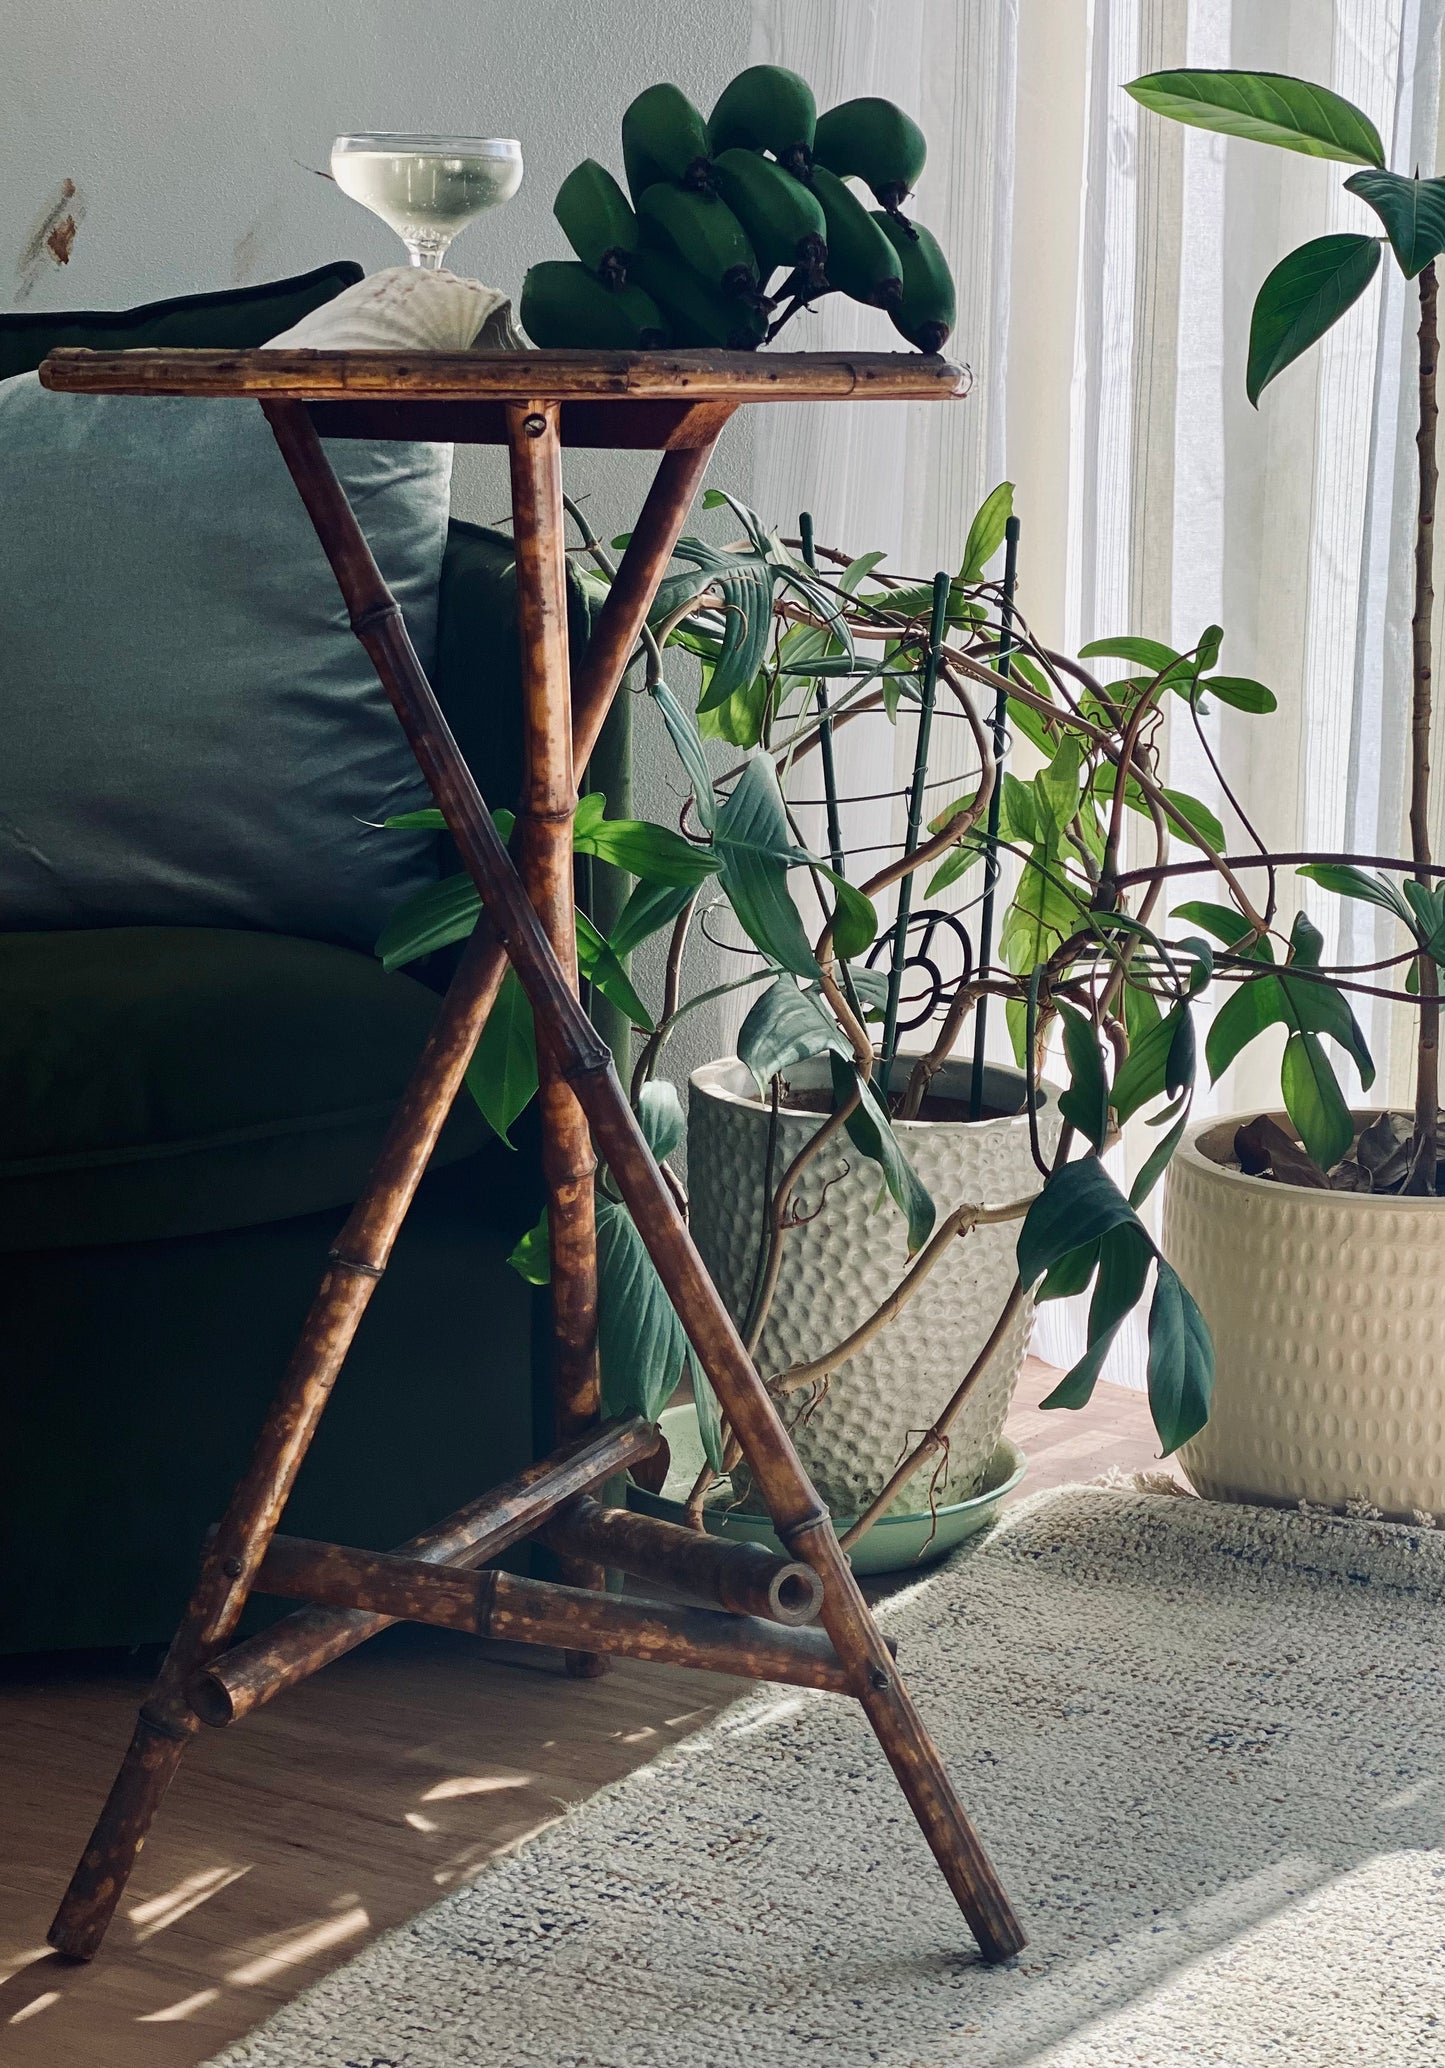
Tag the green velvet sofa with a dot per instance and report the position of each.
(157, 1254)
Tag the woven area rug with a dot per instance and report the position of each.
(1205, 1745)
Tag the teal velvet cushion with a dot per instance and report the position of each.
(233, 318)
(192, 735)
(166, 1081)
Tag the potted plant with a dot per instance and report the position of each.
(1314, 1237)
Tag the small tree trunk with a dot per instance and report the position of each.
(1427, 1073)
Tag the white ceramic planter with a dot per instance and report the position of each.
(1328, 1326)
(838, 1268)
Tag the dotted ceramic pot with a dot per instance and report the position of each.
(1328, 1333)
(843, 1261)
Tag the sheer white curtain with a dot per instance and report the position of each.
(1107, 264)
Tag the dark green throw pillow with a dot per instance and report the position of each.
(232, 319)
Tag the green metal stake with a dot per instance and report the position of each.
(938, 625)
(995, 802)
(825, 728)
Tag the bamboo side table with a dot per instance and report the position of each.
(762, 1626)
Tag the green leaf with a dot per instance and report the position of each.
(1197, 817)
(502, 1074)
(855, 922)
(755, 849)
(1141, 1010)
(651, 907)
(1155, 1163)
(1413, 212)
(1301, 298)
(786, 1026)
(1086, 1102)
(640, 1341)
(1056, 788)
(986, 533)
(532, 1257)
(1249, 1009)
(688, 742)
(1349, 882)
(659, 1115)
(1125, 1255)
(1078, 1205)
(1267, 108)
(1148, 653)
(1241, 692)
(739, 721)
(1070, 1275)
(1223, 921)
(1181, 1362)
(858, 570)
(1314, 1101)
(429, 919)
(871, 1131)
(1141, 1076)
(1428, 907)
(598, 962)
(954, 865)
(1179, 1069)
(653, 853)
(1018, 818)
(427, 820)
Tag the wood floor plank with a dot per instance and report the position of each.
(342, 1809)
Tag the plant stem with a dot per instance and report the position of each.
(937, 632)
(995, 806)
(1425, 1151)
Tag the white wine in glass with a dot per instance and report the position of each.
(427, 188)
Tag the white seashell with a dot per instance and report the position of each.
(406, 309)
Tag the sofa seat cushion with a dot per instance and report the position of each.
(163, 1081)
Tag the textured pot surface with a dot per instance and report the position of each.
(1328, 1329)
(838, 1267)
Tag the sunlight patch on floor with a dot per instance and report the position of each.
(475, 1784)
(156, 1913)
(175, 2013)
(36, 2005)
(301, 1945)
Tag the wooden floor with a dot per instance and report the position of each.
(349, 1805)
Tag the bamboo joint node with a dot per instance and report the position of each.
(359, 1265)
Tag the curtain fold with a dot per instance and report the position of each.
(1108, 263)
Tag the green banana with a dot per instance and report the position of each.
(874, 141)
(597, 220)
(783, 220)
(766, 108)
(926, 313)
(564, 304)
(861, 260)
(696, 312)
(703, 232)
(664, 138)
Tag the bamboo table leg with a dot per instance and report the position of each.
(585, 1063)
(167, 1722)
(544, 828)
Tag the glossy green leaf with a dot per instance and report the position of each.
(641, 1346)
(1349, 882)
(502, 1074)
(1266, 108)
(1157, 1161)
(659, 1115)
(1070, 1275)
(1141, 1075)
(1125, 1255)
(755, 849)
(650, 908)
(986, 533)
(1428, 906)
(1181, 1362)
(786, 1026)
(871, 1131)
(1198, 819)
(1147, 653)
(598, 962)
(1300, 300)
(429, 919)
(532, 1257)
(1413, 212)
(1314, 1101)
(683, 731)
(1225, 923)
(654, 853)
(427, 820)
(1240, 692)
(1056, 788)
(1078, 1205)
(1248, 1010)
(709, 1415)
(858, 571)
(1179, 1069)
(1141, 1010)
(855, 921)
(1085, 1105)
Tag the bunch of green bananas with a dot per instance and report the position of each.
(715, 210)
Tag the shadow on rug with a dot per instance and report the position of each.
(1205, 1745)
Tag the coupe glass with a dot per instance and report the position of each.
(427, 188)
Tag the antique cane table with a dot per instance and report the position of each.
(762, 1626)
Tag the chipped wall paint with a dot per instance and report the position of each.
(52, 238)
